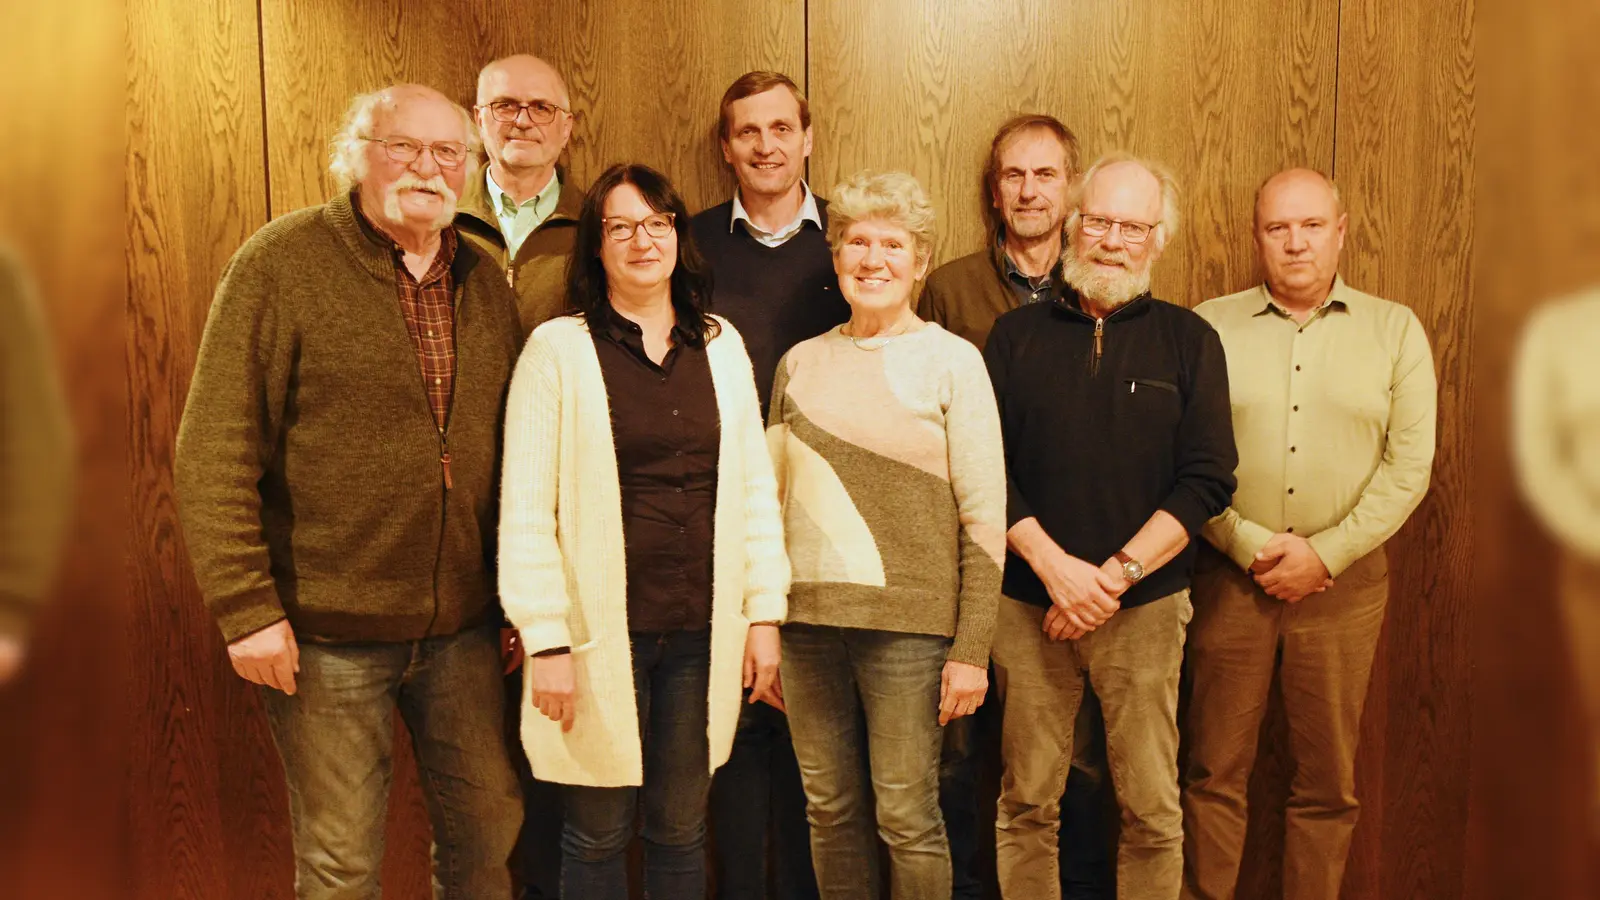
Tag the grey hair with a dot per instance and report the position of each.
(893, 197)
(347, 157)
(1168, 226)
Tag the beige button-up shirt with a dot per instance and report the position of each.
(1334, 421)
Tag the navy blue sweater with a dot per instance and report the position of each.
(776, 296)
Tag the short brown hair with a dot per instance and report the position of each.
(751, 83)
(1002, 138)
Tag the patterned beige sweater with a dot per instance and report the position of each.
(562, 565)
(892, 478)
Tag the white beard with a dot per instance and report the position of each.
(1108, 288)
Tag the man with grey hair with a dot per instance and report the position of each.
(1334, 400)
(1119, 447)
(522, 211)
(337, 471)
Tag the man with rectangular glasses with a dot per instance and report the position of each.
(521, 211)
(1119, 447)
(337, 469)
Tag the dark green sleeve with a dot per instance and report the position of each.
(230, 430)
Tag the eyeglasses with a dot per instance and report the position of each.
(620, 228)
(448, 154)
(1099, 226)
(539, 112)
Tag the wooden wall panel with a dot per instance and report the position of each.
(207, 797)
(646, 79)
(634, 98)
(319, 54)
(1223, 91)
(1404, 159)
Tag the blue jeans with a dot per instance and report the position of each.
(835, 681)
(335, 736)
(757, 794)
(671, 677)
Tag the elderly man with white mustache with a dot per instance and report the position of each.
(337, 470)
(1119, 447)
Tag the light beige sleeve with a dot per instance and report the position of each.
(1402, 476)
(1236, 536)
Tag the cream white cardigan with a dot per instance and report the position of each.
(562, 568)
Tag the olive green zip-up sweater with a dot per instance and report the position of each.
(309, 473)
(538, 272)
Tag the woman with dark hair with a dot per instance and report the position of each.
(641, 546)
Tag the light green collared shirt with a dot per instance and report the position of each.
(518, 220)
(1334, 420)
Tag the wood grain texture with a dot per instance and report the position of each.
(1223, 91)
(190, 204)
(646, 80)
(318, 55)
(207, 794)
(1404, 151)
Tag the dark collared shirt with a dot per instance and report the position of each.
(428, 305)
(666, 429)
(1027, 289)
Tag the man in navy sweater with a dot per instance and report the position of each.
(1119, 447)
(773, 278)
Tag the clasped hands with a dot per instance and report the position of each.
(1290, 569)
(1083, 596)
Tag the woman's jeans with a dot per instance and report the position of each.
(864, 704)
(671, 675)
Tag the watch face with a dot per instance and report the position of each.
(1133, 570)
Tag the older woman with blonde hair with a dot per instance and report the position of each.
(886, 441)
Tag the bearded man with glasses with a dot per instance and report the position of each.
(337, 472)
(522, 211)
(1119, 447)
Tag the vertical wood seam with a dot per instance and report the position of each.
(261, 71)
(1338, 53)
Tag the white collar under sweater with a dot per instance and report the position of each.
(562, 569)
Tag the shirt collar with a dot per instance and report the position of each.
(808, 213)
(505, 205)
(1014, 273)
(1338, 299)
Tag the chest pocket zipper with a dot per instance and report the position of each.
(1134, 384)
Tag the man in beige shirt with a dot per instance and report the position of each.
(1334, 402)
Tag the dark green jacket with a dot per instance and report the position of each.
(308, 461)
(539, 272)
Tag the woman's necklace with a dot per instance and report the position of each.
(883, 340)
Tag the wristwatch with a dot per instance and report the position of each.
(1132, 569)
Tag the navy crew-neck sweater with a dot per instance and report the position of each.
(1101, 433)
(776, 296)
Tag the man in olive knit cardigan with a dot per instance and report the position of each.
(337, 471)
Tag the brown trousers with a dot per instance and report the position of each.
(1327, 641)
(1133, 662)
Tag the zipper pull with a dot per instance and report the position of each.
(444, 460)
(1099, 330)
(511, 274)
